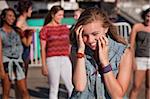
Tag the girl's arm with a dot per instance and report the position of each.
(2, 73)
(43, 56)
(118, 87)
(133, 36)
(79, 75)
(27, 39)
(27, 32)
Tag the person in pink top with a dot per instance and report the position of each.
(54, 39)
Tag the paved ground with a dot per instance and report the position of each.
(38, 86)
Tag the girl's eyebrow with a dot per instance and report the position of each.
(91, 33)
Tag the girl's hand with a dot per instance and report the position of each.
(29, 32)
(81, 45)
(44, 70)
(103, 50)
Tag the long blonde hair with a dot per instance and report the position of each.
(94, 14)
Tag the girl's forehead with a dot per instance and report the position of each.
(10, 12)
(148, 13)
(92, 27)
(94, 23)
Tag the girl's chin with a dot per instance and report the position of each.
(93, 48)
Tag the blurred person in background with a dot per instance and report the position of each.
(24, 8)
(55, 45)
(77, 13)
(11, 49)
(140, 44)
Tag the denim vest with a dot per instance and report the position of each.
(95, 88)
(12, 54)
(11, 44)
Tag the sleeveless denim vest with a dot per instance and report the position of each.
(12, 50)
(12, 46)
(95, 88)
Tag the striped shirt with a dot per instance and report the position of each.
(57, 40)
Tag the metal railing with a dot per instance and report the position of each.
(35, 54)
(124, 29)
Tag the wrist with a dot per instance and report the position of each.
(44, 65)
(80, 50)
(104, 63)
(106, 69)
(80, 55)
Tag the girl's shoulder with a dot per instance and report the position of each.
(51, 27)
(138, 26)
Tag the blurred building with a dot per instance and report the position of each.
(129, 9)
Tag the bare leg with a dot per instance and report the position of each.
(147, 84)
(137, 82)
(6, 83)
(21, 84)
(17, 92)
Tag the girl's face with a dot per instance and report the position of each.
(10, 17)
(92, 32)
(147, 18)
(58, 16)
(29, 12)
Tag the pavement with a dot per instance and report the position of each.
(38, 86)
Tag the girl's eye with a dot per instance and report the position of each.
(95, 34)
(84, 35)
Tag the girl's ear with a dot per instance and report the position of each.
(106, 30)
(2, 17)
(52, 15)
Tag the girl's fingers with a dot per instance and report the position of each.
(99, 43)
(78, 30)
(104, 41)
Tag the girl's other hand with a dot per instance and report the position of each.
(103, 46)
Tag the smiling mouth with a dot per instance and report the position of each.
(93, 45)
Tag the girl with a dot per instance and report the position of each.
(11, 49)
(55, 52)
(103, 59)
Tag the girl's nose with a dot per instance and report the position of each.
(91, 38)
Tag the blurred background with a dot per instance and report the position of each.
(129, 9)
